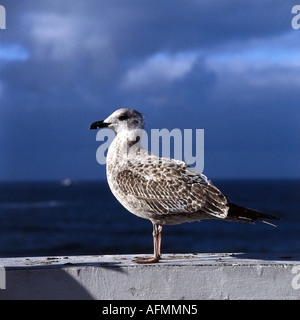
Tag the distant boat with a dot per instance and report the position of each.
(66, 182)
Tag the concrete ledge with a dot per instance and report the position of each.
(177, 276)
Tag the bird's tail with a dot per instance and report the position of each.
(241, 214)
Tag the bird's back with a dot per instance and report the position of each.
(164, 190)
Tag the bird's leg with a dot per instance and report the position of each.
(159, 236)
(156, 244)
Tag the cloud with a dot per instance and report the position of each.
(168, 81)
(226, 66)
(159, 69)
(53, 35)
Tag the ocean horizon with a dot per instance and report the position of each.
(71, 217)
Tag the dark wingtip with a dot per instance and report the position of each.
(239, 213)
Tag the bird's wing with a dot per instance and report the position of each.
(171, 187)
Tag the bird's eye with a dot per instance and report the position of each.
(123, 117)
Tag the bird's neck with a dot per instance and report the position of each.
(125, 145)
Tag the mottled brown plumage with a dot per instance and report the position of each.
(173, 193)
(164, 191)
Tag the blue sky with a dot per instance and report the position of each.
(229, 67)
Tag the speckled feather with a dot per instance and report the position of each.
(165, 191)
(170, 189)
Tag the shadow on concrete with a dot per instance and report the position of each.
(114, 266)
(53, 282)
(35, 285)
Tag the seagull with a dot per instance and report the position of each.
(163, 190)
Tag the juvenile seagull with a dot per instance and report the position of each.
(164, 191)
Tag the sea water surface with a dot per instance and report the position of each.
(84, 218)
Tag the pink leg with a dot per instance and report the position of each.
(157, 232)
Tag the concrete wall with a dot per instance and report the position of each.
(177, 276)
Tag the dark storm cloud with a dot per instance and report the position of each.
(81, 59)
(139, 28)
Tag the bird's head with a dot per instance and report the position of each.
(120, 120)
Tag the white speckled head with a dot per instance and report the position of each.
(124, 119)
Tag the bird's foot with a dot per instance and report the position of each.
(141, 260)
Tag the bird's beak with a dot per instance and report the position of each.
(99, 124)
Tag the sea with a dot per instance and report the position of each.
(83, 218)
